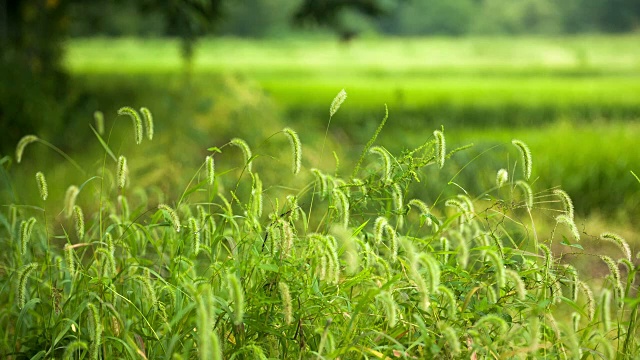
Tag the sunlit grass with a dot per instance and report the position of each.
(542, 77)
(581, 54)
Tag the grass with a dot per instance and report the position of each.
(581, 54)
(412, 73)
(313, 265)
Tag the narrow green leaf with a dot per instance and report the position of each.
(104, 144)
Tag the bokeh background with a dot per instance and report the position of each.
(561, 75)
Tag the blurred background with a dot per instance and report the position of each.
(561, 75)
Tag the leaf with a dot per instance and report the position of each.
(269, 267)
(566, 242)
(39, 355)
(23, 313)
(359, 229)
(375, 353)
(215, 149)
(104, 144)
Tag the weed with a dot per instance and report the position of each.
(459, 278)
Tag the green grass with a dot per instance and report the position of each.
(584, 54)
(314, 265)
(411, 73)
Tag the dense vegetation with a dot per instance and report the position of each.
(317, 261)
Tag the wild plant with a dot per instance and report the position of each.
(371, 270)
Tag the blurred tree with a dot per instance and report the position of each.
(518, 17)
(258, 18)
(435, 17)
(329, 13)
(33, 84)
(114, 18)
(187, 19)
(616, 15)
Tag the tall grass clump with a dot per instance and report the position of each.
(354, 267)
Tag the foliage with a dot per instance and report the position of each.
(334, 267)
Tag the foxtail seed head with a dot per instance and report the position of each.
(440, 148)
(343, 204)
(256, 197)
(237, 296)
(210, 169)
(337, 101)
(498, 264)
(22, 144)
(173, 216)
(444, 246)
(79, 221)
(570, 223)
(420, 205)
(450, 300)
(26, 228)
(322, 179)
(468, 205)
(526, 157)
(620, 242)
(95, 330)
(451, 337)
(527, 193)
(460, 206)
(70, 199)
(389, 306)
(137, 122)
(567, 204)
(575, 320)
(98, 116)
(386, 162)
(286, 237)
(122, 172)
(462, 250)
(208, 342)
(296, 149)
(148, 122)
(23, 276)
(613, 269)
(572, 275)
(73, 347)
(42, 185)
(591, 306)
(109, 265)
(393, 242)
(433, 269)
(287, 309)
(194, 231)
(69, 259)
(548, 257)
(246, 151)
(378, 229)
(502, 177)
(145, 280)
